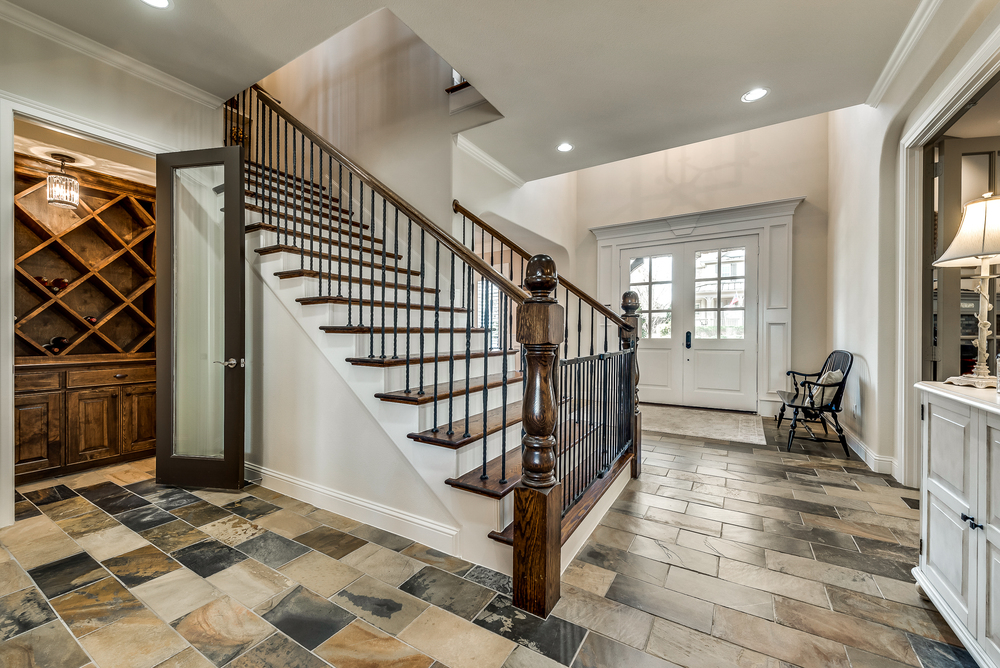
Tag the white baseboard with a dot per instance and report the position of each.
(420, 529)
(594, 517)
(877, 463)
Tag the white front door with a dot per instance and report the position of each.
(698, 321)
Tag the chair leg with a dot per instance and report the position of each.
(840, 433)
(826, 432)
(791, 429)
(781, 416)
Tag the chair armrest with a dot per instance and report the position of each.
(800, 373)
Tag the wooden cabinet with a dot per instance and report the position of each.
(138, 418)
(960, 513)
(83, 414)
(38, 431)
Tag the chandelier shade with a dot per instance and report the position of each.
(63, 190)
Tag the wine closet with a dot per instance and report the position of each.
(85, 322)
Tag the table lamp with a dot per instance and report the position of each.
(977, 244)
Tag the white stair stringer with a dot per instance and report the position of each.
(464, 519)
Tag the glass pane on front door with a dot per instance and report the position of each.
(199, 311)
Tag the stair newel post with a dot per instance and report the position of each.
(630, 341)
(538, 496)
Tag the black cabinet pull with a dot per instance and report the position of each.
(687, 340)
(976, 526)
(121, 375)
(966, 518)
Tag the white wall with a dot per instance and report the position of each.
(377, 92)
(49, 81)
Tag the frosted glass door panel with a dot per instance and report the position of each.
(199, 312)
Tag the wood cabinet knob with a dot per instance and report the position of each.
(121, 375)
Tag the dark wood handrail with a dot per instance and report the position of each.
(407, 209)
(597, 306)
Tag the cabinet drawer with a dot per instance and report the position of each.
(94, 377)
(36, 382)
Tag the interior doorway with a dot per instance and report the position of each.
(698, 321)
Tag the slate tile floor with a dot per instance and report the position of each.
(720, 554)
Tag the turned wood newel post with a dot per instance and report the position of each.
(630, 340)
(538, 497)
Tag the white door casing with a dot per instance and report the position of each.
(698, 319)
(772, 224)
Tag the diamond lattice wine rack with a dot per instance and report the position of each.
(84, 278)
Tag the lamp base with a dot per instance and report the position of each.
(972, 380)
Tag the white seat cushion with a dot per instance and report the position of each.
(821, 396)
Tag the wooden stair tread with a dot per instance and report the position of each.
(333, 299)
(494, 423)
(443, 391)
(283, 248)
(295, 218)
(313, 273)
(427, 359)
(572, 519)
(491, 487)
(314, 207)
(353, 236)
(255, 168)
(319, 240)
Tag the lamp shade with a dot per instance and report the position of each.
(978, 236)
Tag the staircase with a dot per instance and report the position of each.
(422, 325)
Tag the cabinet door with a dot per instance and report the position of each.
(951, 431)
(138, 418)
(93, 429)
(37, 431)
(989, 543)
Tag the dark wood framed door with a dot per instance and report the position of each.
(200, 342)
(37, 431)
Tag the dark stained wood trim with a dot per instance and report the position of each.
(347, 222)
(572, 520)
(427, 359)
(34, 167)
(322, 240)
(363, 329)
(42, 474)
(443, 390)
(491, 487)
(457, 87)
(458, 438)
(282, 248)
(328, 299)
(313, 273)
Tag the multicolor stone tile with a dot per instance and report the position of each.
(222, 630)
(67, 508)
(320, 573)
(331, 542)
(200, 513)
(438, 559)
(278, 651)
(305, 617)
(208, 557)
(174, 535)
(144, 518)
(233, 530)
(65, 575)
(498, 582)
(379, 604)
(95, 606)
(90, 522)
(111, 542)
(140, 640)
(361, 645)
(251, 582)
(48, 646)
(456, 642)
(141, 566)
(22, 611)
(25, 509)
(552, 637)
(54, 494)
(251, 508)
(272, 549)
(176, 594)
(381, 537)
(456, 595)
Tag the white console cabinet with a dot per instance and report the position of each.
(960, 513)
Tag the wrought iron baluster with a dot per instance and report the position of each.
(385, 293)
(340, 229)
(579, 325)
(488, 289)
(329, 228)
(451, 350)
(284, 209)
(361, 255)
(565, 325)
(350, 234)
(395, 281)
(312, 204)
(409, 251)
(437, 324)
(504, 327)
(470, 310)
(422, 275)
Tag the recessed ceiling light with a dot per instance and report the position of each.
(564, 147)
(754, 95)
(159, 4)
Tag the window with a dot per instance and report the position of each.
(488, 311)
(719, 293)
(652, 278)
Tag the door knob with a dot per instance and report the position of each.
(230, 363)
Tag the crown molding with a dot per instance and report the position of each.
(488, 160)
(687, 222)
(62, 35)
(907, 42)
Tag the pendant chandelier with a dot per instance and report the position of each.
(63, 190)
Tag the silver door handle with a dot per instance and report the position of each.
(231, 363)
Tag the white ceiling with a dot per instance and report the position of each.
(616, 79)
